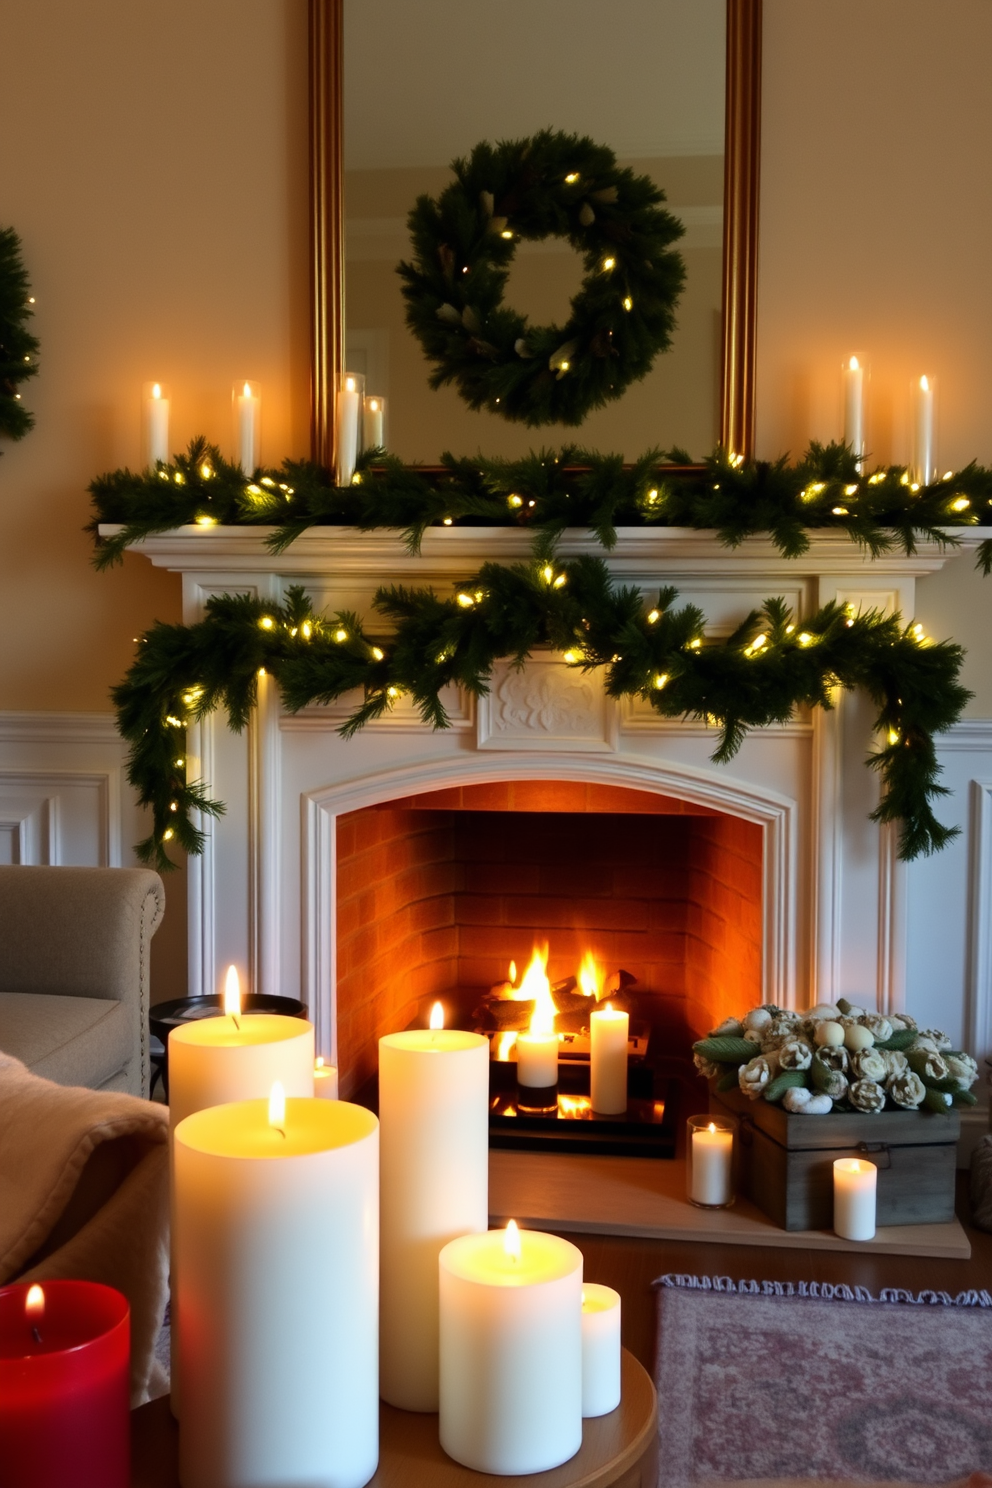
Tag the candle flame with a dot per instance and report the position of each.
(437, 1016)
(232, 993)
(854, 364)
(511, 1241)
(711, 1127)
(925, 383)
(349, 384)
(156, 391)
(277, 1106)
(34, 1304)
(247, 389)
(319, 1064)
(374, 405)
(589, 977)
(536, 986)
(513, 972)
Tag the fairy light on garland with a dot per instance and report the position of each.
(755, 677)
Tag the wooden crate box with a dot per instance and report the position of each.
(785, 1162)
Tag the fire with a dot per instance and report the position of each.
(437, 1016)
(512, 973)
(590, 977)
(277, 1107)
(504, 1043)
(34, 1304)
(232, 993)
(535, 986)
(511, 1241)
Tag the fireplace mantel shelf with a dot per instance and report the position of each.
(659, 552)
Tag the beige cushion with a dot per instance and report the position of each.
(71, 1040)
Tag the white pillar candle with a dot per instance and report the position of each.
(854, 406)
(434, 1113)
(276, 1234)
(248, 404)
(600, 1350)
(711, 1166)
(325, 1080)
(373, 421)
(511, 1351)
(924, 455)
(217, 1060)
(348, 426)
(854, 1198)
(157, 405)
(608, 1030)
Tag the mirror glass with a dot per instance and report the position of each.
(426, 82)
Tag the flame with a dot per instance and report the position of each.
(34, 1304)
(319, 1062)
(157, 391)
(512, 976)
(374, 405)
(536, 986)
(277, 1106)
(925, 383)
(511, 1241)
(437, 1016)
(349, 384)
(504, 1043)
(232, 993)
(854, 364)
(711, 1127)
(590, 977)
(247, 389)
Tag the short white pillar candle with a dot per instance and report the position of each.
(276, 1220)
(373, 421)
(855, 1183)
(710, 1160)
(325, 1079)
(511, 1351)
(600, 1349)
(434, 1113)
(608, 1032)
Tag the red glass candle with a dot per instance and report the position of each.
(65, 1350)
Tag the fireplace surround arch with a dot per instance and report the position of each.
(775, 814)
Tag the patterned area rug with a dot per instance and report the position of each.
(798, 1382)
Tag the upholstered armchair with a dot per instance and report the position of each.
(74, 972)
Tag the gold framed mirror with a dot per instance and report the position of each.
(736, 352)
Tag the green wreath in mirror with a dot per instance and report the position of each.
(551, 185)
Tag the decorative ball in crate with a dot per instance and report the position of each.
(882, 1088)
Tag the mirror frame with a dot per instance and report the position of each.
(742, 150)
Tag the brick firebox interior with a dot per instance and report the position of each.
(442, 890)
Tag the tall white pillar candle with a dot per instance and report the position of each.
(854, 1198)
(711, 1165)
(600, 1350)
(373, 421)
(218, 1060)
(276, 1234)
(511, 1352)
(434, 1113)
(608, 1030)
(854, 406)
(924, 453)
(325, 1080)
(248, 406)
(348, 426)
(156, 410)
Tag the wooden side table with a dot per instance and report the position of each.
(618, 1451)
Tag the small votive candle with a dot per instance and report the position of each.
(855, 1183)
(710, 1161)
(248, 425)
(155, 403)
(600, 1349)
(325, 1079)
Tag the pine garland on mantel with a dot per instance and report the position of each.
(18, 348)
(549, 492)
(771, 665)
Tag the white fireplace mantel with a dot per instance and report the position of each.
(263, 892)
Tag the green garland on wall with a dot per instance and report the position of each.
(18, 348)
(550, 185)
(770, 666)
(548, 492)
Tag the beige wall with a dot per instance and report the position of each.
(154, 163)
(876, 231)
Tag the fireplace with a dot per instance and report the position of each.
(438, 893)
(367, 874)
